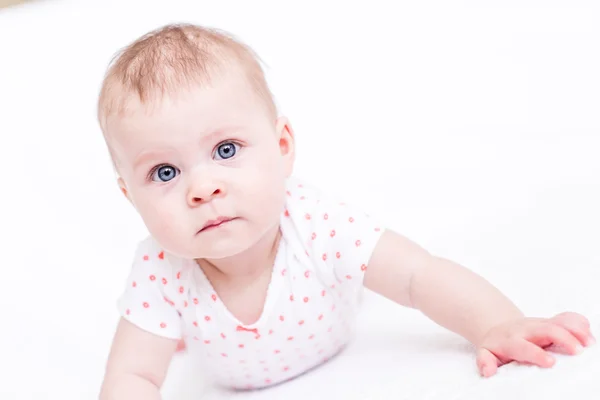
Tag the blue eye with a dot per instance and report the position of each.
(164, 173)
(226, 150)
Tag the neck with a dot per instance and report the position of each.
(248, 264)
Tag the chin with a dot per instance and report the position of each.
(219, 252)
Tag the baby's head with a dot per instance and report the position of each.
(194, 135)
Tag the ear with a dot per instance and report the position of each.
(287, 147)
(123, 188)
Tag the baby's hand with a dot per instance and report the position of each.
(526, 340)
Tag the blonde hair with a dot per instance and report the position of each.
(174, 58)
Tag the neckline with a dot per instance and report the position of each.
(272, 289)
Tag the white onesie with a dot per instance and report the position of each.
(310, 306)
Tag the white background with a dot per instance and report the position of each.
(470, 126)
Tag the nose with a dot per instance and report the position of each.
(203, 190)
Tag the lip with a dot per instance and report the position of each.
(215, 223)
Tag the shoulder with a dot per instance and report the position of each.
(305, 201)
(335, 234)
(309, 206)
(150, 258)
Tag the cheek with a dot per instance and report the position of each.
(159, 214)
(263, 192)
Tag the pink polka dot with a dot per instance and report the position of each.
(181, 289)
(134, 284)
(286, 368)
(267, 381)
(223, 355)
(307, 216)
(286, 213)
(277, 351)
(207, 342)
(163, 325)
(290, 338)
(311, 337)
(302, 198)
(283, 271)
(321, 317)
(196, 301)
(348, 277)
(214, 297)
(325, 216)
(127, 312)
(307, 274)
(152, 278)
(351, 219)
(357, 243)
(363, 267)
(323, 293)
(223, 335)
(313, 236)
(332, 233)
(291, 297)
(146, 258)
(306, 299)
(281, 318)
(324, 256)
(241, 345)
(338, 254)
(164, 281)
(195, 323)
(146, 305)
(301, 322)
(270, 331)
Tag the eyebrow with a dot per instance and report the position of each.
(215, 135)
(219, 133)
(145, 156)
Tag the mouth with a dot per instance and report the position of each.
(216, 223)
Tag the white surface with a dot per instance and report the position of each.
(476, 133)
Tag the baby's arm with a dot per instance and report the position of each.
(467, 304)
(446, 292)
(137, 364)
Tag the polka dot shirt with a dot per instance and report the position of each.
(310, 305)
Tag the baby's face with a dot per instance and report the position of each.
(211, 156)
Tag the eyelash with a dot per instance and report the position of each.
(157, 167)
(233, 142)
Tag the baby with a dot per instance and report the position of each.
(257, 272)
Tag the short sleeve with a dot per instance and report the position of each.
(337, 235)
(146, 301)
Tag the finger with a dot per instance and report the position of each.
(487, 362)
(572, 315)
(577, 325)
(547, 333)
(524, 351)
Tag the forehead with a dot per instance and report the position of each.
(227, 102)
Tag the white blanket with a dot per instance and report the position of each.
(476, 127)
